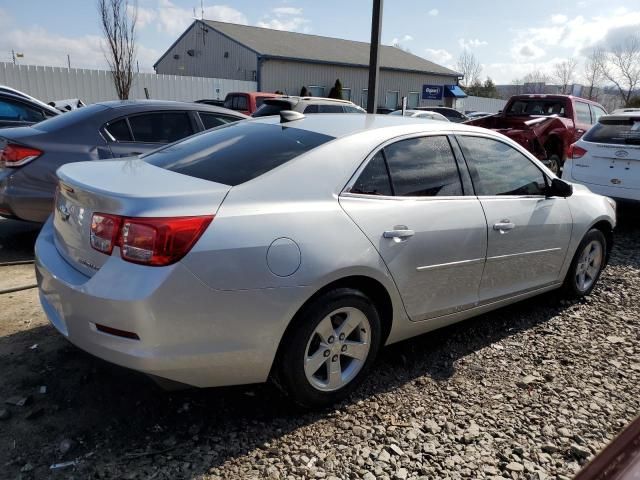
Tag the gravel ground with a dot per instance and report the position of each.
(531, 391)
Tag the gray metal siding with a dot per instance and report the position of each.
(209, 48)
(290, 76)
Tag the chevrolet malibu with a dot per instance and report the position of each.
(293, 248)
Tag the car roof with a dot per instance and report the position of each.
(145, 105)
(620, 115)
(340, 125)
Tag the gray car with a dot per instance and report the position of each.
(273, 106)
(294, 250)
(30, 156)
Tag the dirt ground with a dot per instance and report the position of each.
(114, 423)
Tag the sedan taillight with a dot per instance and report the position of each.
(576, 152)
(148, 241)
(17, 155)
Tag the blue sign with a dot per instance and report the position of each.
(432, 92)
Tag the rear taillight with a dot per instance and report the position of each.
(149, 241)
(576, 152)
(17, 155)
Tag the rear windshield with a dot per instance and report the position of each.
(236, 153)
(69, 118)
(537, 107)
(622, 131)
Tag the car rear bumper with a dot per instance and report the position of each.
(188, 332)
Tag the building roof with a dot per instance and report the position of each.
(314, 48)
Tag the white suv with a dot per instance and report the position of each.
(607, 158)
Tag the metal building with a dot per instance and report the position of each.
(287, 61)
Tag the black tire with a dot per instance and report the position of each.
(571, 287)
(290, 374)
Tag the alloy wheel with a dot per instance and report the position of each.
(589, 265)
(338, 349)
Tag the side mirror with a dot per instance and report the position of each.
(560, 188)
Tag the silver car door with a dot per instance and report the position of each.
(409, 201)
(528, 232)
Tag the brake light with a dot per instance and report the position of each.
(104, 232)
(148, 241)
(17, 155)
(576, 152)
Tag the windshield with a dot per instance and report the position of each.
(623, 131)
(536, 106)
(236, 153)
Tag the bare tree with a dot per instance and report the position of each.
(535, 82)
(119, 28)
(468, 65)
(593, 73)
(564, 71)
(621, 66)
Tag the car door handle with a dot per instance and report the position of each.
(504, 226)
(399, 232)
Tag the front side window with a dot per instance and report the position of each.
(423, 167)
(374, 179)
(583, 114)
(16, 111)
(165, 127)
(499, 169)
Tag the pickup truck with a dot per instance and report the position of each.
(546, 125)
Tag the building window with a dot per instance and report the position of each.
(316, 91)
(391, 99)
(413, 99)
(346, 93)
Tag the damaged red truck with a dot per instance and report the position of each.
(546, 125)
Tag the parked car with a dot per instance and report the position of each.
(546, 125)
(30, 156)
(246, 102)
(13, 91)
(296, 249)
(421, 114)
(273, 106)
(384, 110)
(451, 113)
(19, 111)
(214, 102)
(607, 158)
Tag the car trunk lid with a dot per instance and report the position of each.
(608, 164)
(130, 188)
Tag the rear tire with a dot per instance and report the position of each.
(329, 349)
(587, 265)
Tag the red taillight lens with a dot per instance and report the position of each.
(104, 232)
(576, 151)
(17, 155)
(151, 241)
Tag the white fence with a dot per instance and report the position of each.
(481, 104)
(90, 86)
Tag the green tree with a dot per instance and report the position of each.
(336, 90)
(489, 89)
(304, 92)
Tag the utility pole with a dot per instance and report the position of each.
(68, 62)
(374, 56)
(13, 55)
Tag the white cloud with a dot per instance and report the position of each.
(438, 55)
(174, 20)
(559, 19)
(285, 18)
(434, 12)
(471, 43)
(407, 38)
(146, 16)
(526, 51)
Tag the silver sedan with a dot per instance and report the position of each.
(293, 248)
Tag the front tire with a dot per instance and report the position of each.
(587, 265)
(329, 349)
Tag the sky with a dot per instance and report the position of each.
(509, 38)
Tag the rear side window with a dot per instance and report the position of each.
(119, 131)
(583, 114)
(212, 120)
(270, 109)
(17, 111)
(499, 169)
(236, 153)
(165, 127)
(311, 109)
(352, 109)
(330, 109)
(374, 179)
(74, 118)
(423, 167)
(621, 131)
